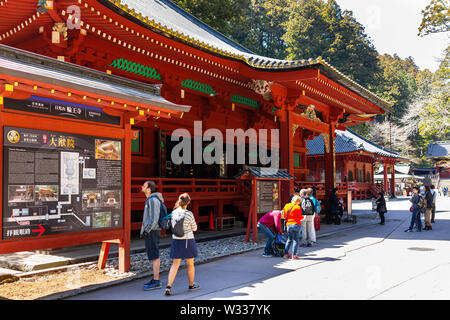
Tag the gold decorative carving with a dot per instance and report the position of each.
(326, 140)
(262, 87)
(294, 129)
(310, 113)
(61, 27)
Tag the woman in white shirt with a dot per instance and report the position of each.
(183, 247)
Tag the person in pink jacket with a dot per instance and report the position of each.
(270, 225)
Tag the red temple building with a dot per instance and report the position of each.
(158, 69)
(356, 158)
(439, 152)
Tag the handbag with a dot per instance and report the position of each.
(411, 209)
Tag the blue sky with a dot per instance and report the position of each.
(393, 26)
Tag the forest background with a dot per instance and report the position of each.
(303, 29)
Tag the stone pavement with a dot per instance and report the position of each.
(368, 261)
(20, 263)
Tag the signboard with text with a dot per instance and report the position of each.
(55, 183)
(268, 196)
(58, 108)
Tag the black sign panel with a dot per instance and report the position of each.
(57, 183)
(268, 196)
(61, 108)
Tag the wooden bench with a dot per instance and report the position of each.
(225, 223)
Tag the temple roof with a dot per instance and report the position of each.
(261, 172)
(18, 63)
(439, 149)
(164, 17)
(349, 141)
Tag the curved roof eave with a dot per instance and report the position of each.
(165, 17)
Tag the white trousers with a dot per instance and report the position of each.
(308, 231)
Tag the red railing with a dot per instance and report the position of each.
(320, 187)
(360, 190)
(203, 192)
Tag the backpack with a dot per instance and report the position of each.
(318, 207)
(163, 221)
(307, 206)
(178, 224)
(278, 245)
(422, 202)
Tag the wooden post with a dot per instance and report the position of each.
(385, 176)
(250, 213)
(124, 245)
(393, 181)
(104, 251)
(286, 154)
(255, 212)
(330, 164)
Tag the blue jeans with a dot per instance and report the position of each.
(415, 217)
(269, 234)
(293, 231)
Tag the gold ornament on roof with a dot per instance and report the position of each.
(61, 28)
(310, 112)
(261, 87)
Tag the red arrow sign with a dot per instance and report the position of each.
(40, 230)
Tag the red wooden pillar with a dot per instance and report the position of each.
(124, 245)
(385, 178)
(393, 180)
(286, 154)
(252, 215)
(330, 163)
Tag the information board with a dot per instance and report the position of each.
(268, 193)
(59, 108)
(56, 183)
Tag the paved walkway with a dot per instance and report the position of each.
(28, 261)
(365, 261)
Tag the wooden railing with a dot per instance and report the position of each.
(219, 192)
(360, 190)
(203, 192)
(320, 187)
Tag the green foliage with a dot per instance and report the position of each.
(303, 29)
(318, 28)
(435, 116)
(263, 21)
(435, 18)
(223, 16)
(362, 129)
(396, 82)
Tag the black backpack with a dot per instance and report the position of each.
(307, 206)
(178, 224)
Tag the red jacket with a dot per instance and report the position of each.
(272, 220)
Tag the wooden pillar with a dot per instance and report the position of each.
(286, 154)
(330, 163)
(393, 180)
(252, 215)
(124, 245)
(385, 176)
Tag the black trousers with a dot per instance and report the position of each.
(381, 216)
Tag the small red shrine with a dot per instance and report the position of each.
(204, 75)
(355, 161)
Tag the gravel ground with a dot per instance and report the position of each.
(86, 277)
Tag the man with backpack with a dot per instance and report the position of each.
(308, 210)
(417, 204)
(151, 230)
